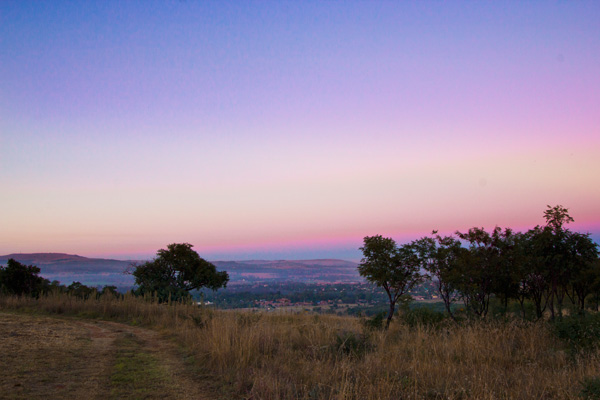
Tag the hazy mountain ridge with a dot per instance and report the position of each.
(43, 258)
(62, 263)
(67, 268)
(319, 270)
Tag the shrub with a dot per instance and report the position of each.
(20, 279)
(374, 323)
(352, 343)
(580, 332)
(422, 316)
(590, 388)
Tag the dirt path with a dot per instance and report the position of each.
(60, 358)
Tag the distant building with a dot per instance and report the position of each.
(283, 302)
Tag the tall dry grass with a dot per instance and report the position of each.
(266, 356)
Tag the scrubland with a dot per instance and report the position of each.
(301, 356)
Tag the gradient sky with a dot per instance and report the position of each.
(291, 129)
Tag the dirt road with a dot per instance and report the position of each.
(60, 358)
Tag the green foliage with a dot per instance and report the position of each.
(546, 268)
(175, 271)
(482, 269)
(581, 333)
(590, 388)
(584, 267)
(80, 290)
(393, 268)
(562, 263)
(440, 257)
(20, 279)
(375, 322)
(423, 316)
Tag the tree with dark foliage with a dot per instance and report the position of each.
(175, 272)
(395, 269)
(20, 279)
(439, 256)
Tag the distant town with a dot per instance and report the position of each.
(335, 298)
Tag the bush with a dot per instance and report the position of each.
(580, 332)
(374, 323)
(20, 279)
(591, 388)
(352, 343)
(422, 316)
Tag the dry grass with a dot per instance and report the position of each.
(61, 357)
(45, 355)
(262, 356)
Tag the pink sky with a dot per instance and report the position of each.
(291, 130)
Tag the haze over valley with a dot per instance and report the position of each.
(68, 268)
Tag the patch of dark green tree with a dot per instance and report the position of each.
(24, 280)
(545, 270)
(175, 272)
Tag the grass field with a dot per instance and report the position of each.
(264, 356)
(48, 357)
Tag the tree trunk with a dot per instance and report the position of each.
(390, 314)
(448, 304)
(559, 301)
(445, 295)
(552, 306)
(522, 303)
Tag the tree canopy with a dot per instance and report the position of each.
(175, 272)
(20, 279)
(440, 256)
(543, 266)
(395, 269)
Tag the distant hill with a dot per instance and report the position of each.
(43, 258)
(61, 263)
(323, 270)
(68, 268)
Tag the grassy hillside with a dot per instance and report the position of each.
(264, 356)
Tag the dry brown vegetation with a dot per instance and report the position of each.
(71, 358)
(262, 356)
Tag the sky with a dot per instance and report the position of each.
(275, 129)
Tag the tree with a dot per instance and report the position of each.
(20, 279)
(535, 278)
(507, 274)
(175, 272)
(479, 268)
(439, 257)
(582, 259)
(553, 248)
(110, 291)
(80, 290)
(394, 269)
(557, 263)
(556, 217)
